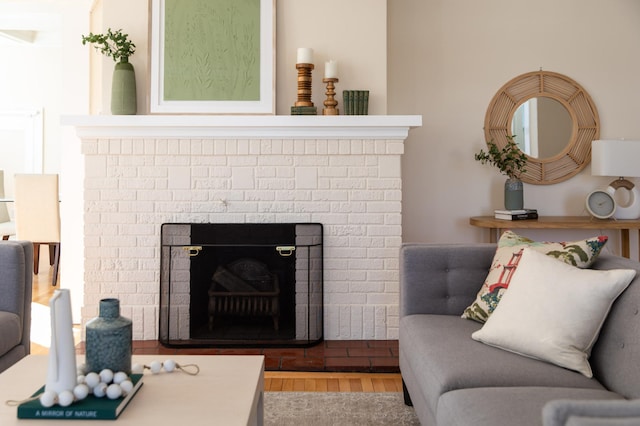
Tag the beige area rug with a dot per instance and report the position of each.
(337, 409)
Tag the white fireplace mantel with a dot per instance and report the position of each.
(235, 169)
(244, 127)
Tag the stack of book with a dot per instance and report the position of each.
(516, 214)
(355, 102)
(304, 110)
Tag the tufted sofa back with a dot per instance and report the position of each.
(615, 357)
(448, 276)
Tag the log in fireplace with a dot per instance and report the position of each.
(241, 284)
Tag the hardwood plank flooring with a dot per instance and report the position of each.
(300, 381)
(275, 381)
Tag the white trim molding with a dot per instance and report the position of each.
(244, 127)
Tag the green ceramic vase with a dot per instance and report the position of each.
(123, 90)
(513, 194)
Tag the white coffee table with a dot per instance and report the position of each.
(228, 391)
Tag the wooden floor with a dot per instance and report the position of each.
(275, 381)
(296, 381)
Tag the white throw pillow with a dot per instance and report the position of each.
(554, 311)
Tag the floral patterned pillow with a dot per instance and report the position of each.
(577, 253)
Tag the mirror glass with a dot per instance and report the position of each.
(542, 127)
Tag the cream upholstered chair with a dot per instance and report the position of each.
(37, 215)
(7, 226)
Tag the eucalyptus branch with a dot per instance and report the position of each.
(510, 160)
(115, 45)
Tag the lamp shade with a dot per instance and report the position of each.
(619, 158)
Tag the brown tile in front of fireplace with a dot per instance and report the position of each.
(370, 356)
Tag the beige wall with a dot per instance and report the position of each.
(447, 58)
(335, 29)
(109, 14)
(351, 32)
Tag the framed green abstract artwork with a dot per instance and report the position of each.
(212, 57)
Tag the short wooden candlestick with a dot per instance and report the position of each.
(304, 85)
(331, 103)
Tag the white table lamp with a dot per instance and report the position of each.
(619, 158)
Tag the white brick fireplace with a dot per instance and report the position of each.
(343, 172)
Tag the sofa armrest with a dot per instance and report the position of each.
(565, 412)
(16, 277)
(442, 278)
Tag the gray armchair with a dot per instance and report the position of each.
(16, 263)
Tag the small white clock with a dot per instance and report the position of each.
(600, 204)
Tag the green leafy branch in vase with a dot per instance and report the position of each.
(115, 45)
(510, 160)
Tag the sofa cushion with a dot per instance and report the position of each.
(439, 350)
(554, 311)
(507, 406)
(10, 331)
(505, 262)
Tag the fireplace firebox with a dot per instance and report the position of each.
(234, 285)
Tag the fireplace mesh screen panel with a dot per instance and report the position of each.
(241, 284)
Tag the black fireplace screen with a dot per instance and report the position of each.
(241, 284)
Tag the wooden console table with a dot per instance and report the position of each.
(497, 226)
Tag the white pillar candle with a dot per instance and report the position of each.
(331, 69)
(305, 55)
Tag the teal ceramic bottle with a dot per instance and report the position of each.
(108, 339)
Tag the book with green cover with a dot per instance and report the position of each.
(90, 408)
(346, 100)
(359, 107)
(365, 102)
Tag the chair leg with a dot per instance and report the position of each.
(36, 257)
(56, 263)
(52, 253)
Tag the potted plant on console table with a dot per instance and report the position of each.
(511, 161)
(116, 44)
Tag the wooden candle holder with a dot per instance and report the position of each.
(304, 85)
(330, 103)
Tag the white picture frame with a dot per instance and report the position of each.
(203, 99)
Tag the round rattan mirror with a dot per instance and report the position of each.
(576, 154)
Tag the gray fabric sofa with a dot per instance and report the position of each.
(451, 379)
(16, 263)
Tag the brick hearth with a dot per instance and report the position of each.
(363, 356)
